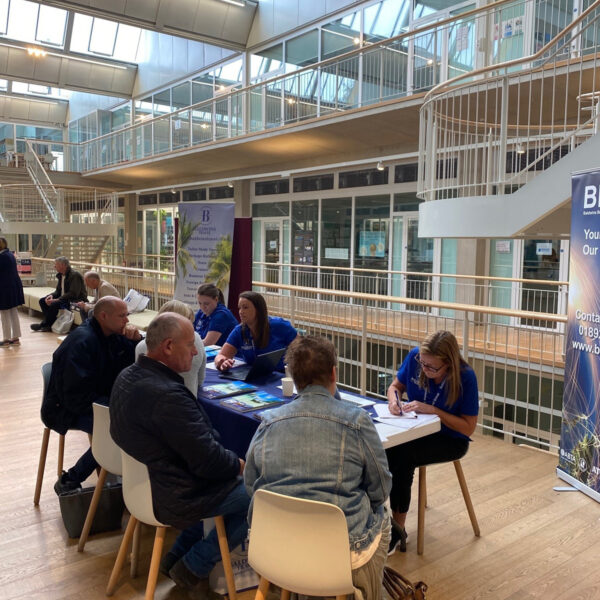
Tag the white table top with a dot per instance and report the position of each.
(406, 430)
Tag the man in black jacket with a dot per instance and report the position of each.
(70, 288)
(84, 368)
(159, 422)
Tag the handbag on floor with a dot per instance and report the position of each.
(109, 514)
(400, 588)
(63, 322)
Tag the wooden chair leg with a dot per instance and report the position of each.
(159, 541)
(89, 519)
(61, 454)
(285, 594)
(135, 550)
(116, 572)
(421, 514)
(465, 492)
(342, 597)
(225, 557)
(263, 589)
(41, 466)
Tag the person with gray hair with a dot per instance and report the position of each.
(195, 376)
(158, 421)
(69, 289)
(100, 287)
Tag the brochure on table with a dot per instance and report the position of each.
(252, 401)
(223, 390)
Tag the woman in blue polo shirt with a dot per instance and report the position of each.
(214, 321)
(437, 380)
(257, 334)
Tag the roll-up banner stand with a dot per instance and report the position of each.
(580, 436)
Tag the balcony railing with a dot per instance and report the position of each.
(411, 63)
(491, 131)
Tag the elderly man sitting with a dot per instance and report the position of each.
(101, 289)
(321, 448)
(159, 422)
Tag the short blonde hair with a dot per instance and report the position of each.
(178, 307)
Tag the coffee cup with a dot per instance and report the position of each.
(287, 386)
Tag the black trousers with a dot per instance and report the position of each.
(405, 458)
(50, 312)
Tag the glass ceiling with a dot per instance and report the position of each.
(45, 25)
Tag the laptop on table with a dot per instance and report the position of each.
(264, 365)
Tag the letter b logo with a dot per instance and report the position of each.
(205, 216)
(589, 196)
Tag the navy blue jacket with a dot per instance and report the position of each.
(11, 288)
(84, 368)
(158, 421)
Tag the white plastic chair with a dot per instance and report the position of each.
(46, 372)
(300, 545)
(137, 494)
(108, 456)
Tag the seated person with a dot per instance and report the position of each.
(84, 368)
(320, 448)
(70, 288)
(437, 380)
(257, 334)
(195, 376)
(100, 287)
(159, 422)
(214, 321)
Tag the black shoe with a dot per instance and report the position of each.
(64, 485)
(397, 539)
(36, 326)
(167, 563)
(183, 577)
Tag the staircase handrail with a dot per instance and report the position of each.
(34, 168)
(542, 56)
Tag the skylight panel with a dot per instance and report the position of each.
(51, 23)
(4, 4)
(103, 37)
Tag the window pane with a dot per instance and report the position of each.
(181, 95)
(38, 89)
(302, 51)
(128, 40)
(266, 61)
(386, 19)
(82, 26)
(102, 40)
(22, 19)
(3, 16)
(340, 36)
(51, 25)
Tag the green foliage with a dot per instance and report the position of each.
(219, 265)
(184, 258)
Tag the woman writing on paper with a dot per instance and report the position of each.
(437, 380)
(257, 334)
(214, 321)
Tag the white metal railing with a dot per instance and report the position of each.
(538, 295)
(44, 186)
(492, 131)
(23, 203)
(410, 63)
(520, 371)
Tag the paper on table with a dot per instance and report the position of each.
(364, 402)
(236, 363)
(407, 421)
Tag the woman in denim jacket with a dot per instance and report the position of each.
(321, 448)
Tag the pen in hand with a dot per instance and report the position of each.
(398, 402)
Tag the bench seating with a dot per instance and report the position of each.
(32, 301)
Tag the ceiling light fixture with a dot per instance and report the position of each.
(37, 52)
(230, 184)
(241, 3)
(356, 41)
(380, 166)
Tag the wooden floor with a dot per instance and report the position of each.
(535, 543)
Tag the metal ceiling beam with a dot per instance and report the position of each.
(228, 26)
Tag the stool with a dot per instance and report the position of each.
(423, 503)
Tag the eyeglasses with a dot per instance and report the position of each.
(428, 366)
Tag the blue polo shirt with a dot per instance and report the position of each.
(221, 320)
(467, 402)
(281, 333)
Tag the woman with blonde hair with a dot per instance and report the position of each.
(437, 380)
(195, 376)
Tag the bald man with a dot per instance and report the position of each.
(156, 419)
(84, 368)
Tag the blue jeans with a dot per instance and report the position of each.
(200, 555)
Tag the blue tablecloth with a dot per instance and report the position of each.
(237, 428)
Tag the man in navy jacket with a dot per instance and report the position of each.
(84, 368)
(159, 422)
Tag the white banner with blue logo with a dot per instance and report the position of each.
(204, 242)
(580, 436)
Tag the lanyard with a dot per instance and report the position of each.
(435, 398)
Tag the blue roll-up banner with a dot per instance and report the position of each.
(204, 243)
(580, 436)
